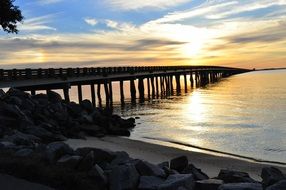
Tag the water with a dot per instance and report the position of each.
(242, 115)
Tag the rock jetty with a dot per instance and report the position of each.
(32, 147)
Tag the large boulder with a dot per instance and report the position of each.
(98, 174)
(100, 155)
(26, 152)
(208, 184)
(69, 161)
(281, 185)
(20, 138)
(197, 173)
(271, 175)
(56, 150)
(87, 162)
(87, 106)
(230, 176)
(150, 182)
(173, 182)
(54, 97)
(241, 186)
(179, 163)
(123, 177)
(147, 169)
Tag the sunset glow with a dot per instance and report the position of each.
(249, 34)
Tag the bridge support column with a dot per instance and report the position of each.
(162, 85)
(107, 98)
(186, 83)
(132, 90)
(122, 92)
(93, 98)
(110, 92)
(141, 89)
(79, 93)
(157, 86)
(191, 80)
(148, 87)
(171, 84)
(178, 83)
(153, 87)
(66, 94)
(99, 94)
(33, 92)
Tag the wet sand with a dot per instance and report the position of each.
(210, 164)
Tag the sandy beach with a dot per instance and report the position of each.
(210, 164)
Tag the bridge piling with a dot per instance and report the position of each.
(121, 91)
(157, 86)
(132, 90)
(148, 87)
(93, 98)
(186, 83)
(141, 89)
(79, 92)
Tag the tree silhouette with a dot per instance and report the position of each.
(9, 16)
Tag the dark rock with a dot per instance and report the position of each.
(2, 94)
(87, 105)
(87, 162)
(137, 117)
(121, 157)
(69, 161)
(56, 150)
(198, 174)
(54, 97)
(24, 152)
(169, 171)
(208, 184)
(7, 145)
(123, 177)
(241, 186)
(98, 174)
(92, 130)
(164, 164)
(19, 138)
(271, 175)
(18, 93)
(281, 185)
(100, 155)
(149, 182)
(179, 163)
(43, 134)
(173, 182)
(147, 169)
(229, 176)
(14, 100)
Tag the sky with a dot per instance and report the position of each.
(85, 33)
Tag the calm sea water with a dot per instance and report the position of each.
(243, 115)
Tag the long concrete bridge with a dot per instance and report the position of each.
(157, 78)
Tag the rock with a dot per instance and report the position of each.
(147, 169)
(19, 138)
(241, 186)
(169, 171)
(208, 184)
(87, 162)
(121, 157)
(100, 155)
(24, 152)
(2, 94)
(179, 163)
(18, 93)
(229, 176)
(281, 185)
(54, 97)
(164, 164)
(198, 174)
(173, 182)
(7, 145)
(14, 100)
(56, 150)
(98, 174)
(69, 161)
(271, 175)
(137, 117)
(149, 182)
(123, 177)
(92, 130)
(43, 134)
(87, 105)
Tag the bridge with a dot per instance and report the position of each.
(157, 78)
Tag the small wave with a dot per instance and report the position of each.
(217, 151)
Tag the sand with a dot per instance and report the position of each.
(154, 153)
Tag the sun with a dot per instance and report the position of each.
(192, 49)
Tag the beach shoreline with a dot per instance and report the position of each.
(155, 153)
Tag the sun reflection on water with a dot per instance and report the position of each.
(195, 107)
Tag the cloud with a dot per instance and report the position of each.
(37, 23)
(48, 2)
(91, 21)
(139, 4)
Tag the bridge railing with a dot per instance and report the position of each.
(22, 74)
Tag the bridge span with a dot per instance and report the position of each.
(158, 79)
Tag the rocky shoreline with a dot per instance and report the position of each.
(32, 131)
